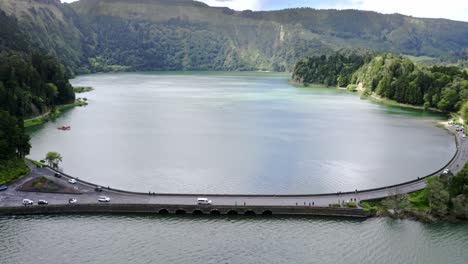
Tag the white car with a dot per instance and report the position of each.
(72, 201)
(72, 181)
(27, 202)
(446, 171)
(104, 199)
(203, 201)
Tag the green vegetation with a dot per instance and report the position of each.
(369, 207)
(42, 184)
(52, 115)
(53, 158)
(419, 201)
(13, 142)
(399, 79)
(444, 197)
(31, 86)
(129, 35)
(12, 169)
(391, 77)
(334, 70)
(82, 89)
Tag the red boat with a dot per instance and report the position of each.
(64, 128)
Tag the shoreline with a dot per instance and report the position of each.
(406, 184)
(48, 116)
(373, 97)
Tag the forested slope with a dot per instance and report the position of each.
(389, 76)
(109, 35)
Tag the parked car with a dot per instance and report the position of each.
(104, 199)
(3, 188)
(27, 202)
(203, 201)
(98, 189)
(446, 171)
(72, 181)
(72, 201)
(44, 202)
(58, 175)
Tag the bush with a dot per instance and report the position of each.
(369, 207)
(351, 204)
(37, 185)
(11, 170)
(334, 205)
(42, 184)
(419, 200)
(351, 87)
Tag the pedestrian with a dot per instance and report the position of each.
(313, 203)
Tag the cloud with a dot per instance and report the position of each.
(452, 9)
(237, 4)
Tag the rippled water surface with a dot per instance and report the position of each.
(235, 133)
(148, 239)
(238, 133)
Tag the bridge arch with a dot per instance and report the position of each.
(267, 212)
(215, 212)
(249, 212)
(180, 211)
(197, 212)
(232, 212)
(163, 211)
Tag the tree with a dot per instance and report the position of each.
(396, 201)
(464, 111)
(438, 196)
(53, 159)
(14, 143)
(460, 206)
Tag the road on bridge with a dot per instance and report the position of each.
(12, 197)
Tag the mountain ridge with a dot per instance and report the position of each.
(106, 35)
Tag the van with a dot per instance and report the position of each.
(203, 201)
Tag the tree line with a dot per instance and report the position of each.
(29, 86)
(390, 76)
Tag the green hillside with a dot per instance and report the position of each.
(439, 87)
(116, 35)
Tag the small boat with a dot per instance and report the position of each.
(64, 128)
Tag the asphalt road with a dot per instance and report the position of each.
(12, 197)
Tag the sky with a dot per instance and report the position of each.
(450, 9)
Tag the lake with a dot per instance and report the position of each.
(238, 133)
(234, 133)
(121, 239)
